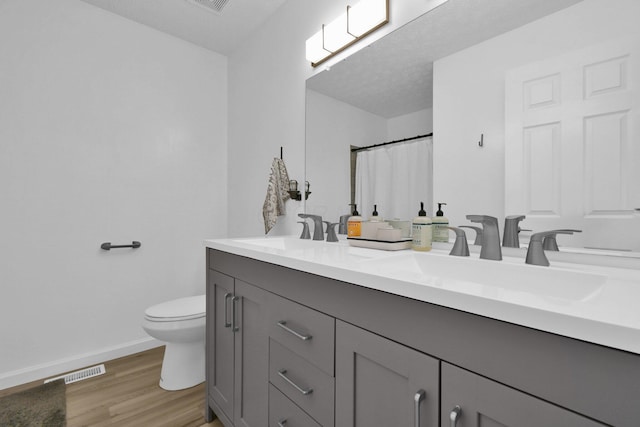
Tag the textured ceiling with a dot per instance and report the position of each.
(220, 33)
(394, 76)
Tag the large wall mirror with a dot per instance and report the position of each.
(551, 89)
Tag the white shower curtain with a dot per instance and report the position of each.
(396, 178)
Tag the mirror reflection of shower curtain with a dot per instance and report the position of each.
(396, 178)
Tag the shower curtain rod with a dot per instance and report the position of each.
(353, 150)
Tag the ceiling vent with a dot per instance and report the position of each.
(215, 6)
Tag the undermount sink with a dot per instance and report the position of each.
(489, 278)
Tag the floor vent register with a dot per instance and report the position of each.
(80, 375)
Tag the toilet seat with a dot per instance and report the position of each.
(177, 310)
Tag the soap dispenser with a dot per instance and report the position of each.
(421, 231)
(440, 224)
(374, 214)
(354, 224)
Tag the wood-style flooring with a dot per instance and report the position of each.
(128, 395)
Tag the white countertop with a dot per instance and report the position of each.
(591, 303)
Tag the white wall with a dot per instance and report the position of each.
(412, 124)
(109, 131)
(332, 127)
(267, 103)
(469, 99)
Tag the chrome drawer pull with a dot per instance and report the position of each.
(284, 326)
(281, 423)
(234, 325)
(454, 415)
(417, 398)
(282, 373)
(227, 296)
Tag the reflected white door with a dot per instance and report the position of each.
(572, 152)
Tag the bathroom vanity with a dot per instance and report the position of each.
(307, 333)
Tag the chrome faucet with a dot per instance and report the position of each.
(535, 253)
(460, 247)
(318, 229)
(511, 230)
(490, 236)
(305, 230)
(478, 231)
(549, 242)
(331, 231)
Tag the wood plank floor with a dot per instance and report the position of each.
(128, 395)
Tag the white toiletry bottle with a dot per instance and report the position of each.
(354, 223)
(440, 224)
(421, 231)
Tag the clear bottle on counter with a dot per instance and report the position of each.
(440, 224)
(421, 231)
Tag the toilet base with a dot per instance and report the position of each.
(183, 365)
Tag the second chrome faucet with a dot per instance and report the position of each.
(490, 248)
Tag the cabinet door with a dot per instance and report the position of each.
(251, 355)
(220, 346)
(485, 403)
(382, 383)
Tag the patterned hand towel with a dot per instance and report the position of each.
(277, 194)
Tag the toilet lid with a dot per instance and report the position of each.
(182, 308)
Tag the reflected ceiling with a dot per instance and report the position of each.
(394, 76)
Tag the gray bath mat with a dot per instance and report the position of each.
(42, 406)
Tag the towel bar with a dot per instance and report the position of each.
(107, 246)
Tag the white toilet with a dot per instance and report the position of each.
(181, 325)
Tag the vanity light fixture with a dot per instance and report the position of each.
(357, 22)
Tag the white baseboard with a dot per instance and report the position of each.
(62, 366)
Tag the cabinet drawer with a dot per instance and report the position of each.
(283, 412)
(306, 385)
(304, 331)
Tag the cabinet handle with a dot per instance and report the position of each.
(228, 295)
(282, 373)
(303, 337)
(281, 423)
(234, 325)
(417, 398)
(454, 415)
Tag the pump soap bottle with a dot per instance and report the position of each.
(354, 223)
(374, 214)
(421, 231)
(440, 224)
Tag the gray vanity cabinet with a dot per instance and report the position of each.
(469, 400)
(310, 350)
(237, 347)
(382, 383)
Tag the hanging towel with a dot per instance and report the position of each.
(277, 194)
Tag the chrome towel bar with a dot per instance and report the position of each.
(107, 246)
